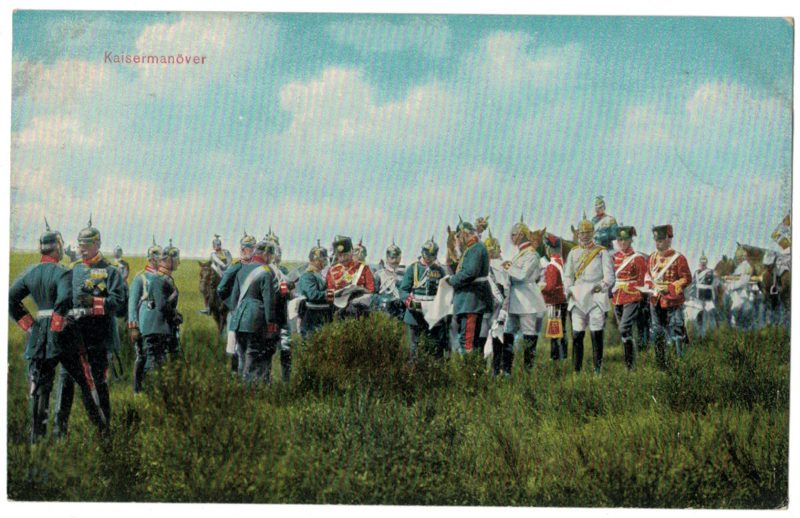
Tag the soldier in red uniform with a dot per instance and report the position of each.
(347, 272)
(553, 293)
(629, 271)
(668, 275)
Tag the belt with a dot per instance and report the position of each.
(80, 312)
(425, 298)
(482, 279)
(310, 305)
(44, 313)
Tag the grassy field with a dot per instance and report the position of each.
(358, 425)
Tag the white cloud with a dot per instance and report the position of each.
(61, 84)
(726, 106)
(229, 42)
(57, 131)
(428, 35)
(505, 60)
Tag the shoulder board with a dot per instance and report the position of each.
(74, 263)
(235, 261)
(113, 262)
(266, 268)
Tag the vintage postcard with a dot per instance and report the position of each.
(400, 259)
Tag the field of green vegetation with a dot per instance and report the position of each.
(358, 425)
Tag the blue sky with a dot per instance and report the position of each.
(391, 126)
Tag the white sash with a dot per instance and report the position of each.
(250, 279)
(661, 272)
(625, 263)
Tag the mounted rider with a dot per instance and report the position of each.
(219, 260)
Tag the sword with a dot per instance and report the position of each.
(87, 373)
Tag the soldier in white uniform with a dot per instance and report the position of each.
(387, 282)
(526, 305)
(220, 259)
(739, 289)
(494, 323)
(704, 297)
(588, 274)
(605, 225)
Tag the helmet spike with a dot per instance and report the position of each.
(90, 221)
(319, 245)
(46, 224)
(490, 234)
(154, 239)
(521, 218)
(460, 220)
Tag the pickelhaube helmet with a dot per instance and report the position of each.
(393, 251)
(627, 233)
(599, 202)
(265, 246)
(271, 236)
(662, 232)
(703, 258)
(247, 241)
(117, 251)
(464, 226)
(50, 239)
(170, 251)
(521, 228)
(360, 249)
(318, 252)
(492, 244)
(430, 248)
(482, 221)
(342, 244)
(89, 234)
(585, 225)
(217, 242)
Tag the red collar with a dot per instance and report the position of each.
(556, 257)
(668, 252)
(150, 269)
(165, 271)
(94, 260)
(48, 259)
(258, 260)
(523, 246)
(471, 241)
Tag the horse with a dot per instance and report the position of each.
(755, 258)
(777, 281)
(209, 280)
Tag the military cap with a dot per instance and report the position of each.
(342, 244)
(626, 232)
(464, 226)
(89, 234)
(662, 232)
(247, 241)
(552, 241)
(430, 248)
(393, 251)
(585, 225)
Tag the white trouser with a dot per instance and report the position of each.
(595, 319)
(528, 323)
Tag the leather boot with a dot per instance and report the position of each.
(530, 351)
(597, 350)
(508, 353)
(286, 364)
(577, 349)
(628, 347)
(497, 355)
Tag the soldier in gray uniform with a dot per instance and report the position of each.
(316, 310)
(285, 288)
(168, 262)
(219, 260)
(704, 292)
(48, 284)
(387, 280)
(150, 314)
(139, 302)
(254, 320)
(98, 295)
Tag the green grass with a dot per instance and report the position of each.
(358, 425)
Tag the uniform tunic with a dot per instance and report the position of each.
(318, 312)
(471, 292)
(342, 275)
(676, 277)
(628, 278)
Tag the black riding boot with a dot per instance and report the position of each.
(530, 351)
(235, 363)
(597, 350)
(628, 347)
(577, 349)
(497, 355)
(286, 364)
(508, 352)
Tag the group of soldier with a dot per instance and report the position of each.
(75, 324)
(473, 302)
(488, 302)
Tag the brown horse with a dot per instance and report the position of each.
(777, 286)
(209, 280)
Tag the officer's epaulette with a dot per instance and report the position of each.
(73, 264)
(235, 261)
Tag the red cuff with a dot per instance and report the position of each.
(57, 323)
(25, 322)
(674, 290)
(98, 306)
(133, 324)
(272, 328)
